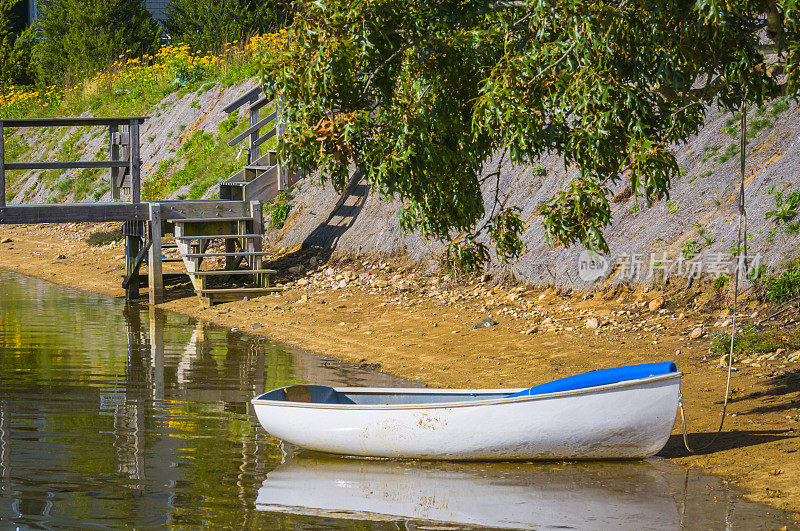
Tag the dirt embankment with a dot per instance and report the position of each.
(695, 227)
(697, 222)
(414, 324)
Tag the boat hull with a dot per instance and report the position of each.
(618, 421)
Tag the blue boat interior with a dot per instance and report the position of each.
(601, 377)
(322, 394)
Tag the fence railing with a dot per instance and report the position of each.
(255, 99)
(124, 159)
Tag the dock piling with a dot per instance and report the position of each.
(154, 269)
(132, 231)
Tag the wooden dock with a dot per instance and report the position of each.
(233, 222)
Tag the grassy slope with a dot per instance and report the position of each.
(184, 149)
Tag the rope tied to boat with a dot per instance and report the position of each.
(741, 262)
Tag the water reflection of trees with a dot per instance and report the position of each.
(112, 414)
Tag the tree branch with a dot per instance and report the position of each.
(552, 66)
(495, 174)
(386, 62)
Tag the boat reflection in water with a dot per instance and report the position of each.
(515, 495)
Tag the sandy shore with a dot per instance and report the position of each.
(415, 325)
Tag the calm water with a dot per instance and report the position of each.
(113, 416)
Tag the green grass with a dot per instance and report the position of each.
(707, 238)
(786, 210)
(131, 88)
(751, 341)
(709, 151)
(736, 250)
(202, 161)
(15, 147)
(78, 182)
(763, 119)
(15, 151)
(137, 102)
(729, 152)
(86, 182)
(732, 125)
(690, 249)
(62, 182)
(101, 190)
(756, 125)
(704, 174)
(279, 209)
(780, 105)
(228, 124)
(155, 184)
(784, 284)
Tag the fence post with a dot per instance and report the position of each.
(253, 137)
(134, 162)
(279, 119)
(283, 173)
(154, 270)
(113, 150)
(2, 167)
(132, 230)
(255, 244)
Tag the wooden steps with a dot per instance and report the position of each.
(217, 236)
(253, 182)
(258, 182)
(241, 237)
(222, 272)
(209, 297)
(222, 255)
(219, 291)
(207, 220)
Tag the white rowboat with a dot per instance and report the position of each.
(632, 418)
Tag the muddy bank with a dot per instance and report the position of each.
(411, 323)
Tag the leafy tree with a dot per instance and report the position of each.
(208, 24)
(16, 45)
(76, 36)
(421, 94)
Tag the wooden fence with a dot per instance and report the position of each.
(124, 164)
(255, 100)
